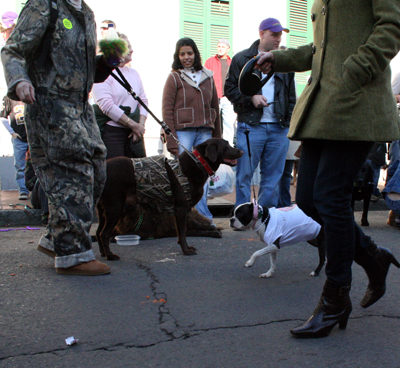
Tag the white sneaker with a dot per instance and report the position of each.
(23, 196)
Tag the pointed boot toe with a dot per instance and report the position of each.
(376, 262)
(333, 308)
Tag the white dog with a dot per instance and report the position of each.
(278, 227)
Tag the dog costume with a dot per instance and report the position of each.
(289, 224)
(153, 185)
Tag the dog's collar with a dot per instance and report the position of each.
(261, 223)
(257, 213)
(204, 163)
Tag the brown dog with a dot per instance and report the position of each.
(121, 189)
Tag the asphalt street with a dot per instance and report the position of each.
(159, 308)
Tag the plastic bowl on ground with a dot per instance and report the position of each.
(127, 240)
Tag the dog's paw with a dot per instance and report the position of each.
(248, 264)
(266, 275)
(113, 257)
(364, 223)
(191, 251)
(313, 274)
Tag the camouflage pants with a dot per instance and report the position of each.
(68, 156)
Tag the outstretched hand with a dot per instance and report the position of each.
(266, 62)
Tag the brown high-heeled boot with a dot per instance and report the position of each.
(392, 218)
(376, 262)
(333, 308)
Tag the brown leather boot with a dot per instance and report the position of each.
(92, 268)
(333, 308)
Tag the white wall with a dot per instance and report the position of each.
(247, 16)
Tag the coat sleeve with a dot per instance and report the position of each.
(102, 70)
(383, 44)
(293, 59)
(104, 94)
(23, 43)
(168, 108)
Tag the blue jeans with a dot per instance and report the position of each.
(394, 151)
(268, 146)
(324, 188)
(393, 186)
(190, 137)
(285, 200)
(20, 149)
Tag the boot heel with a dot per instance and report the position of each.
(343, 323)
(395, 261)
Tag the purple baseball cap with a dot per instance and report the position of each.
(273, 25)
(8, 19)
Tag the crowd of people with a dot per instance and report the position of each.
(337, 127)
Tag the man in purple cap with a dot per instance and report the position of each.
(265, 117)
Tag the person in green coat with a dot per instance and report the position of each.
(345, 107)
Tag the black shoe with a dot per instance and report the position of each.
(333, 308)
(376, 262)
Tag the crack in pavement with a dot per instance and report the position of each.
(167, 323)
(184, 336)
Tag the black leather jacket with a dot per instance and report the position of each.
(285, 92)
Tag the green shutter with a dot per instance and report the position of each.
(300, 32)
(192, 21)
(206, 21)
(220, 18)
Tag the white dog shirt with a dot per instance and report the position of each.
(291, 225)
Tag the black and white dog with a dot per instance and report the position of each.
(278, 227)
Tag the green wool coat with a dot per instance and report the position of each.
(348, 95)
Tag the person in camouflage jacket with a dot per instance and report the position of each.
(64, 140)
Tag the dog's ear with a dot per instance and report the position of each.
(212, 152)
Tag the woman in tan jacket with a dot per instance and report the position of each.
(190, 105)
(346, 107)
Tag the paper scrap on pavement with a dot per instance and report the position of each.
(71, 340)
(166, 260)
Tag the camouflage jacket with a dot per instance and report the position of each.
(153, 185)
(73, 50)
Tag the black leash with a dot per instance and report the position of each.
(247, 132)
(124, 83)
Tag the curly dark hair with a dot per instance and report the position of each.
(197, 59)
